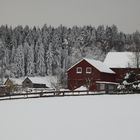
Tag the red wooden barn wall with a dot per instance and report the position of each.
(121, 72)
(76, 80)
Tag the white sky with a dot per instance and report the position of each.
(123, 13)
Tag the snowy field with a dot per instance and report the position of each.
(71, 118)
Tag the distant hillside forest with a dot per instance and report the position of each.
(26, 51)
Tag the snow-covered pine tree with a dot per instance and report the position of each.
(40, 62)
(47, 33)
(30, 61)
(82, 41)
(49, 59)
(18, 65)
(2, 54)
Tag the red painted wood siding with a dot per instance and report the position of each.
(108, 77)
(76, 80)
(121, 72)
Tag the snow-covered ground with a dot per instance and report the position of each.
(71, 118)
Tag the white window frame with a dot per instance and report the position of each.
(88, 71)
(77, 70)
(102, 86)
(111, 87)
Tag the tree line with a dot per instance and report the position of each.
(47, 50)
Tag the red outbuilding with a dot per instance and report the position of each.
(93, 74)
(121, 72)
(122, 63)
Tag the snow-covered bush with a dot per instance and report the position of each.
(130, 83)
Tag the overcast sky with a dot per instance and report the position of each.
(123, 13)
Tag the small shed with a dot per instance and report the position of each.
(86, 72)
(4, 90)
(13, 83)
(32, 82)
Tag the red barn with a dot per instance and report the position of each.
(121, 72)
(91, 73)
(121, 63)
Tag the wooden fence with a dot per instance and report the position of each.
(28, 95)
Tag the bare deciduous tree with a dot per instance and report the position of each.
(136, 38)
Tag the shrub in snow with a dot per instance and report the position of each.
(125, 82)
(120, 87)
(130, 83)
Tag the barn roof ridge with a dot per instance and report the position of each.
(96, 63)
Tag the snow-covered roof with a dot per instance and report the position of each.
(16, 81)
(119, 60)
(47, 80)
(97, 64)
(104, 82)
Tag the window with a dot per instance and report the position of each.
(102, 87)
(88, 70)
(79, 70)
(111, 87)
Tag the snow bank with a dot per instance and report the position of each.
(71, 118)
(81, 88)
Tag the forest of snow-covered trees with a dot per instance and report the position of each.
(36, 51)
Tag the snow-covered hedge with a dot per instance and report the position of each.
(130, 83)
